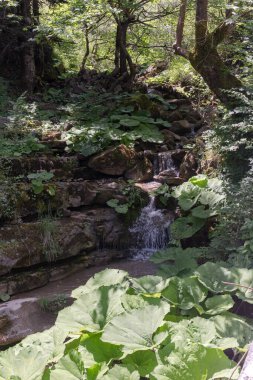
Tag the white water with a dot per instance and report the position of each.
(150, 231)
(164, 162)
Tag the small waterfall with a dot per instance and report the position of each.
(150, 231)
(164, 162)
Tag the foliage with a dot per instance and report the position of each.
(232, 237)
(3, 96)
(106, 334)
(51, 246)
(53, 304)
(125, 126)
(20, 146)
(133, 196)
(199, 199)
(232, 136)
(40, 181)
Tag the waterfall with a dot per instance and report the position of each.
(164, 162)
(150, 232)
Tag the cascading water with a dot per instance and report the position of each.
(164, 162)
(150, 231)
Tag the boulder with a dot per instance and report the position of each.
(61, 167)
(171, 139)
(169, 180)
(113, 161)
(142, 171)
(68, 195)
(181, 126)
(29, 244)
(189, 166)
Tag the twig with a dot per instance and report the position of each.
(239, 285)
(237, 365)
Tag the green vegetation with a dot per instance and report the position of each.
(105, 333)
(133, 196)
(172, 80)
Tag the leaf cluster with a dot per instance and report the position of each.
(121, 327)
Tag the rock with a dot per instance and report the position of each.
(61, 167)
(171, 116)
(55, 145)
(178, 156)
(25, 317)
(169, 180)
(4, 321)
(113, 161)
(51, 240)
(181, 126)
(142, 171)
(190, 114)
(51, 136)
(68, 195)
(27, 281)
(149, 187)
(180, 101)
(4, 121)
(171, 138)
(189, 166)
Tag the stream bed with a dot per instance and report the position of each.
(28, 312)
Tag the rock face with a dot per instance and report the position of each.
(189, 166)
(141, 172)
(64, 225)
(114, 161)
(38, 242)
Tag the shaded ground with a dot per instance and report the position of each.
(27, 314)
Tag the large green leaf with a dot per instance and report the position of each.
(232, 326)
(27, 363)
(203, 213)
(172, 253)
(148, 284)
(120, 372)
(200, 180)
(211, 198)
(187, 195)
(245, 278)
(139, 301)
(107, 277)
(134, 330)
(129, 122)
(185, 292)
(218, 304)
(185, 227)
(189, 332)
(197, 363)
(91, 312)
(213, 276)
(143, 361)
(69, 367)
(100, 351)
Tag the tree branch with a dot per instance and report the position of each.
(177, 46)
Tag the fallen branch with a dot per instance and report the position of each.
(239, 285)
(247, 370)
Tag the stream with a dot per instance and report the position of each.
(149, 233)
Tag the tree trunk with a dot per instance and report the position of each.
(207, 62)
(205, 58)
(117, 52)
(87, 46)
(29, 75)
(123, 49)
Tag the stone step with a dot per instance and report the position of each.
(37, 277)
(68, 195)
(63, 167)
(49, 240)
